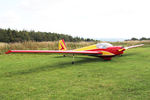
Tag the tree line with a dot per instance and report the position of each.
(10, 35)
(140, 39)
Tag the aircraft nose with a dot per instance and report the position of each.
(122, 49)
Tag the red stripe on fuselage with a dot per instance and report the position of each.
(114, 50)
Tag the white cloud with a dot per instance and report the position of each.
(87, 18)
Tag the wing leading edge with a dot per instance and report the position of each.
(53, 51)
(134, 46)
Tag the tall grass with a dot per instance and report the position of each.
(32, 45)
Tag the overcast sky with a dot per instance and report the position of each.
(85, 18)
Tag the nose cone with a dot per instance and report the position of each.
(117, 50)
(122, 49)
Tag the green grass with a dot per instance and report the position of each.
(53, 77)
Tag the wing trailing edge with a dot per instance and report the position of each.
(53, 51)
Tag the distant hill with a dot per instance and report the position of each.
(111, 39)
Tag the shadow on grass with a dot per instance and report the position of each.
(51, 67)
(130, 54)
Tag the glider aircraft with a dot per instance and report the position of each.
(102, 50)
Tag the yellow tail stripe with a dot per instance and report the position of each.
(86, 48)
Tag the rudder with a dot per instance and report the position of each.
(62, 45)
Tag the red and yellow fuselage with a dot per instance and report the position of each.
(107, 53)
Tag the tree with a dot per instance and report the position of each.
(134, 39)
(143, 38)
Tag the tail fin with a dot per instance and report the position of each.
(62, 45)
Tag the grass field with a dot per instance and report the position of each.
(53, 77)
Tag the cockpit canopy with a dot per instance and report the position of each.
(103, 45)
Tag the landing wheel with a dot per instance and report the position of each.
(73, 62)
(107, 58)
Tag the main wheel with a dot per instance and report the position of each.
(73, 62)
(107, 58)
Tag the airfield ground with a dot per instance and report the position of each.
(53, 77)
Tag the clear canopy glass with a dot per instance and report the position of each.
(103, 45)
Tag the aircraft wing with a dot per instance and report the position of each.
(134, 46)
(53, 51)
